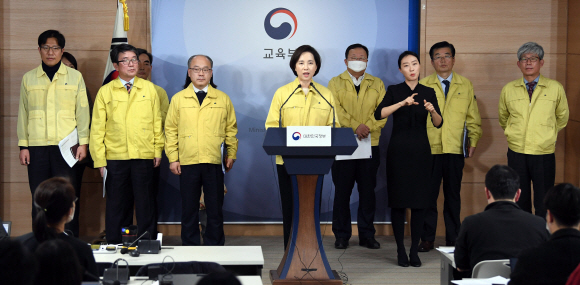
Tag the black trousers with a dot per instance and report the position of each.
(46, 162)
(73, 226)
(539, 169)
(448, 167)
(344, 174)
(129, 183)
(211, 177)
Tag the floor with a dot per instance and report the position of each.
(356, 264)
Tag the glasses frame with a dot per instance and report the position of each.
(200, 70)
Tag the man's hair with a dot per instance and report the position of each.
(70, 58)
(406, 53)
(439, 45)
(17, 263)
(531, 47)
(563, 201)
(122, 48)
(141, 51)
(502, 182)
(208, 58)
(298, 52)
(353, 47)
(51, 34)
(220, 278)
(58, 264)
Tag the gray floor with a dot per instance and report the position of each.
(360, 265)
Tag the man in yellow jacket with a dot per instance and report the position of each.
(358, 94)
(200, 120)
(532, 110)
(53, 102)
(459, 110)
(126, 144)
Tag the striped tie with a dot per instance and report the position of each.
(128, 85)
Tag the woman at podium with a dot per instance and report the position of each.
(299, 103)
(409, 153)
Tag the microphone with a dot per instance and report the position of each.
(126, 249)
(333, 114)
(280, 119)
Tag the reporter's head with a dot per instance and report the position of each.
(562, 203)
(54, 200)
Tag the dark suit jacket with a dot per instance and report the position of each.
(551, 262)
(501, 231)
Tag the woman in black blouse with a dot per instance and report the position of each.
(409, 153)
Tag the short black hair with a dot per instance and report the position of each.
(563, 201)
(502, 182)
(355, 46)
(121, 49)
(51, 34)
(439, 45)
(70, 58)
(299, 51)
(406, 53)
(220, 278)
(18, 264)
(141, 51)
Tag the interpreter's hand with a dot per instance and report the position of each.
(24, 157)
(102, 170)
(156, 162)
(229, 164)
(428, 106)
(175, 168)
(81, 152)
(362, 132)
(409, 101)
(471, 151)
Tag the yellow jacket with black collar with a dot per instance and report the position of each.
(302, 109)
(458, 109)
(50, 110)
(126, 126)
(532, 127)
(355, 109)
(194, 133)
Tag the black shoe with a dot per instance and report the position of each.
(450, 243)
(426, 246)
(403, 260)
(415, 261)
(371, 243)
(341, 243)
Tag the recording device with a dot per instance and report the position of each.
(126, 249)
(280, 119)
(128, 234)
(333, 114)
(114, 276)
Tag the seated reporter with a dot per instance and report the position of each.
(54, 200)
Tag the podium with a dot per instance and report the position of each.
(304, 260)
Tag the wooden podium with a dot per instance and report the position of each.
(304, 261)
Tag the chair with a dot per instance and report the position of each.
(191, 267)
(492, 268)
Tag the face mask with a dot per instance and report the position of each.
(357, 66)
(72, 215)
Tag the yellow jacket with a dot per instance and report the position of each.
(301, 109)
(50, 110)
(355, 109)
(126, 126)
(163, 103)
(194, 133)
(532, 127)
(459, 108)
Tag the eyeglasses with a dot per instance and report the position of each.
(358, 58)
(48, 48)
(531, 59)
(197, 69)
(442, 57)
(126, 61)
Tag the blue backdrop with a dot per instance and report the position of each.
(251, 43)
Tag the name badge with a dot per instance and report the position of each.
(297, 136)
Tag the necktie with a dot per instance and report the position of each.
(446, 82)
(531, 86)
(200, 96)
(128, 85)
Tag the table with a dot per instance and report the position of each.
(243, 260)
(447, 265)
(245, 280)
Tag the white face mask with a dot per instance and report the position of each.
(357, 66)
(72, 215)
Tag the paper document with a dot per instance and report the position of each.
(481, 281)
(446, 249)
(223, 162)
(363, 151)
(465, 141)
(104, 180)
(68, 147)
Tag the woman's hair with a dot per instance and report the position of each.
(298, 52)
(70, 58)
(57, 264)
(53, 200)
(406, 53)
